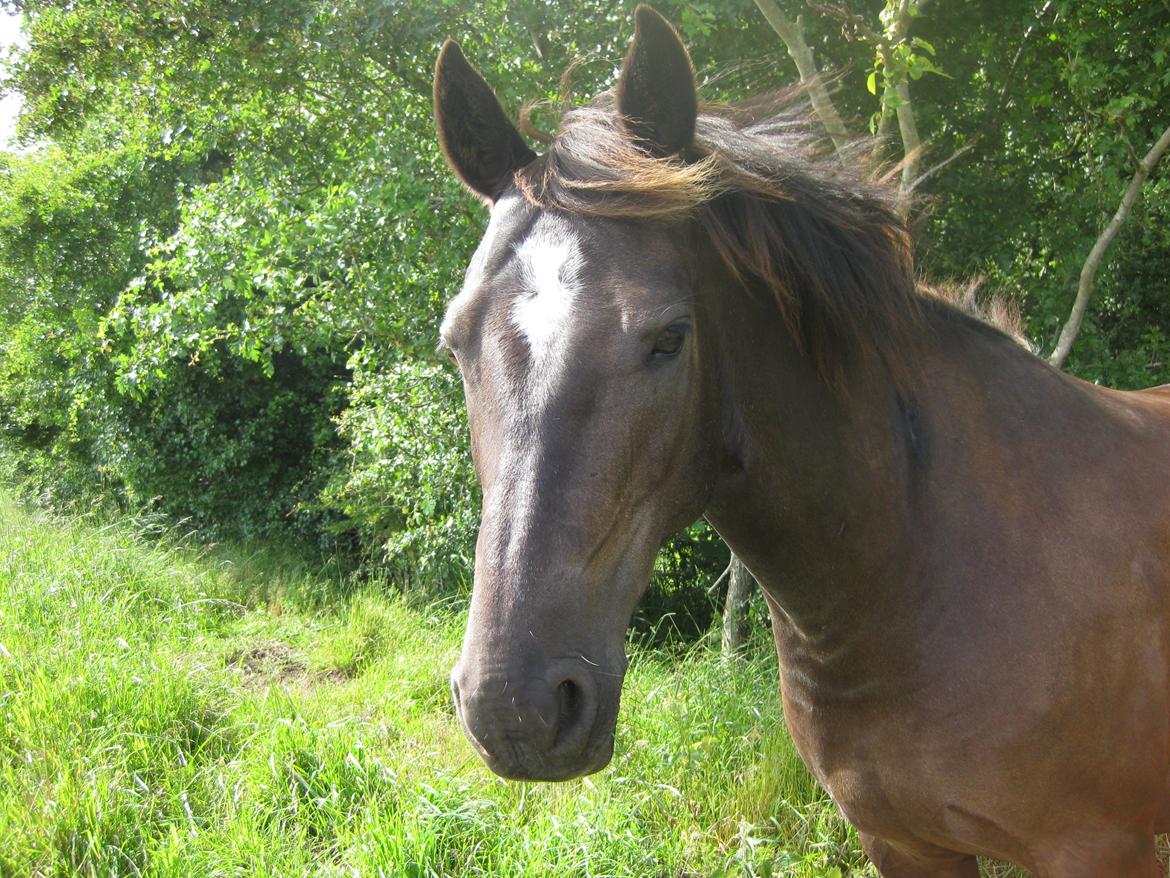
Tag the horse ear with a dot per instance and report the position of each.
(481, 144)
(656, 90)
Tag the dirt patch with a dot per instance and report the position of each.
(270, 659)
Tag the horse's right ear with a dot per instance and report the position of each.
(481, 144)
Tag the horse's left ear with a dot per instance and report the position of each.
(656, 91)
(481, 144)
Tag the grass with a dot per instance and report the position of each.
(167, 712)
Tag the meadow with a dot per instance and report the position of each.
(173, 710)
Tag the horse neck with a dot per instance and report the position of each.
(812, 492)
(828, 496)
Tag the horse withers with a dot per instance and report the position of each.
(965, 552)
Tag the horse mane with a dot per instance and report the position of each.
(820, 231)
(994, 310)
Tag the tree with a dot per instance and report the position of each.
(222, 273)
(898, 58)
(740, 586)
(1145, 167)
(792, 33)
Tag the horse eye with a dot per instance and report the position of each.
(669, 341)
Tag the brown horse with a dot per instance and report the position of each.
(966, 553)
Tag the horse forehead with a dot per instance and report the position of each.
(552, 280)
(533, 264)
(507, 216)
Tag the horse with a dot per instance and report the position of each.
(680, 310)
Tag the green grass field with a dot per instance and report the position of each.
(167, 711)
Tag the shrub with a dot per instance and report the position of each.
(408, 486)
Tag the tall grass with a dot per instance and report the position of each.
(167, 712)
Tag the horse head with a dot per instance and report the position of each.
(594, 417)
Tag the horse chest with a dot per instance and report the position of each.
(874, 765)
(894, 762)
(834, 735)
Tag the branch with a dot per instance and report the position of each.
(934, 169)
(908, 129)
(1007, 80)
(539, 42)
(719, 581)
(901, 21)
(1089, 271)
(792, 33)
(1133, 156)
(735, 608)
(850, 21)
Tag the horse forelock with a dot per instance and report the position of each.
(821, 231)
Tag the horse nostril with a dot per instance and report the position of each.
(568, 704)
(574, 716)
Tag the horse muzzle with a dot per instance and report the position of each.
(553, 724)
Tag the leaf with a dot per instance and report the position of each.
(871, 82)
(920, 43)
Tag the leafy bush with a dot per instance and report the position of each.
(409, 487)
(221, 272)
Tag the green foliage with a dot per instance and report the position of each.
(681, 601)
(287, 226)
(409, 487)
(1056, 99)
(67, 231)
(223, 266)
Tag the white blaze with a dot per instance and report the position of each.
(550, 264)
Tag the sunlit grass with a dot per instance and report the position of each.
(166, 711)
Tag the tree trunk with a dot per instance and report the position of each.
(735, 610)
(907, 127)
(792, 33)
(1089, 270)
